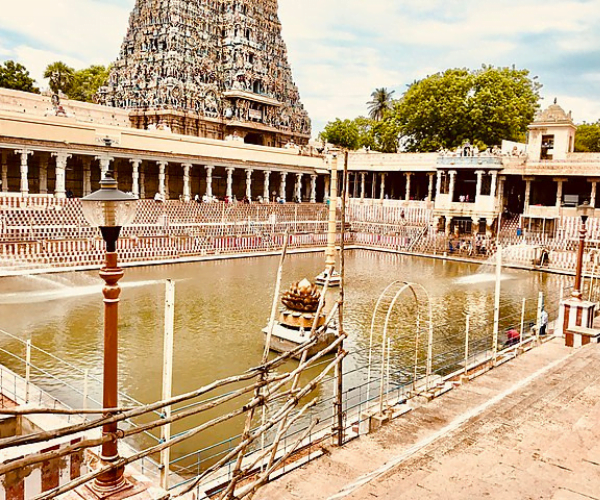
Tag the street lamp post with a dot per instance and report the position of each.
(110, 210)
(585, 211)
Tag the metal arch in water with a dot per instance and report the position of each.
(411, 287)
(379, 300)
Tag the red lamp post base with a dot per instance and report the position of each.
(125, 488)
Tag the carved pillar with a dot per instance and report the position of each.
(354, 184)
(475, 225)
(87, 175)
(362, 185)
(298, 187)
(135, 177)
(382, 189)
(209, 172)
(313, 188)
(187, 192)
(43, 173)
(249, 183)
(489, 222)
(448, 225)
(24, 153)
(142, 182)
(4, 160)
(494, 175)
(266, 194)
(438, 187)
(527, 194)
(593, 194)
(61, 169)
(167, 189)
(229, 192)
(104, 164)
(407, 193)
(162, 167)
(501, 181)
(282, 185)
(479, 174)
(430, 187)
(559, 192)
(452, 174)
(326, 193)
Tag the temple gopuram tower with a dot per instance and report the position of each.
(208, 68)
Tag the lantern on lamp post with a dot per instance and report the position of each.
(585, 211)
(110, 209)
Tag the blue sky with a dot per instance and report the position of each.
(341, 50)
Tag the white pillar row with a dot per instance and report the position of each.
(187, 191)
(249, 183)
(479, 174)
(494, 175)
(298, 187)
(313, 188)
(61, 171)
(24, 153)
(4, 162)
(382, 189)
(135, 177)
(430, 187)
(407, 194)
(87, 175)
(452, 174)
(593, 194)
(104, 164)
(527, 194)
(43, 187)
(229, 192)
(282, 185)
(559, 192)
(363, 176)
(142, 182)
(209, 171)
(162, 167)
(266, 194)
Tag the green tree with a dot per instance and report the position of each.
(381, 101)
(86, 83)
(483, 106)
(587, 138)
(61, 77)
(15, 76)
(342, 133)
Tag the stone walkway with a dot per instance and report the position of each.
(529, 429)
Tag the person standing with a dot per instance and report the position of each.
(543, 322)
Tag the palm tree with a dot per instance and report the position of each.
(61, 77)
(380, 102)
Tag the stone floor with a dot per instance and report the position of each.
(529, 429)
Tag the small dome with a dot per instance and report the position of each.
(554, 114)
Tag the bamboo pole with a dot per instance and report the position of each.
(497, 303)
(467, 333)
(167, 387)
(27, 369)
(522, 321)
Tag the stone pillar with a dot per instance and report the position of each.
(24, 153)
(489, 222)
(167, 189)
(61, 171)
(593, 194)
(142, 182)
(104, 164)
(187, 191)
(407, 194)
(438, 187)
(249, 183)
(494, 175)
(448, 225)
(44, 173)
(209, 172)
(313, 188)
(363, 176)
(382, 189)
(266, 193)
(430, 187)
(475, 225)
(527, 195)
(355, 184)
(326, 194)
(116, 171)
(229, 192)
(4, 161)
(298, 187)
(479, 174)
(162, 167)
(282, 185)
(135, 177)
(87, 175)
(452, 174)
(559, 192)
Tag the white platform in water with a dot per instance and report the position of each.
(475, 279)
(286, 339)
(335, 279)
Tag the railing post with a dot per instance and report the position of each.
(165, 455)
(27, 369)
(467, 333)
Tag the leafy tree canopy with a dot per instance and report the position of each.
(86, 83)
(587, 138)
(342, 133)
(15, 76)
(483, 106)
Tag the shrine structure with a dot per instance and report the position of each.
(214, 69)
